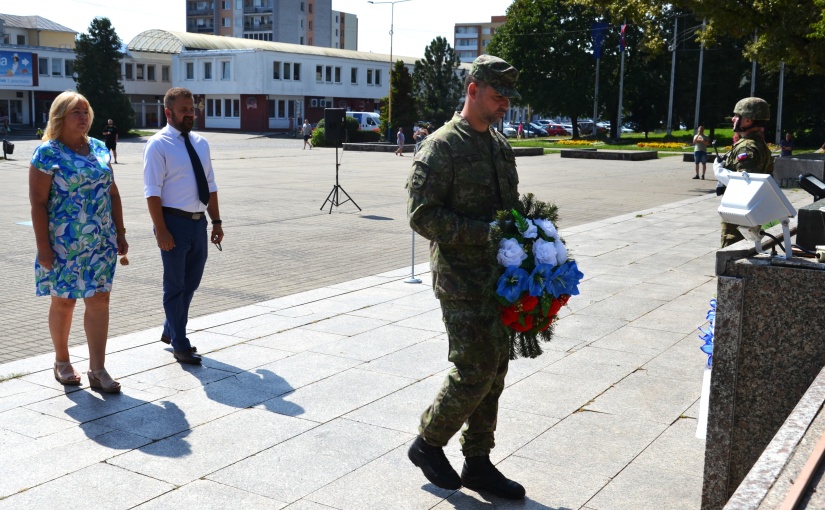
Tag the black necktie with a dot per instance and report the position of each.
(200, 175)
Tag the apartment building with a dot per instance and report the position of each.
(471, 39)
(309, 22)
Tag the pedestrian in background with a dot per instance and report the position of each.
(419, 137)
(78, 226)
(700, 151)
(786, 146)
(306, 131)
(110, 132)
(180, 188)
(399, 139)
(463, 174)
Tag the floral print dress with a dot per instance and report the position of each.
(82, 231)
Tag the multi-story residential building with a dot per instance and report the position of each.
(471, 39)
(308, 22)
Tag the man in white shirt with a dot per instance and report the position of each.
(179, 186)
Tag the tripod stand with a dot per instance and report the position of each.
(333, 197)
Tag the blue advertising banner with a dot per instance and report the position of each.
(16, 68)
(597, 31)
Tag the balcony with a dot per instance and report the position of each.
(201, 29)
(257, 10)
(200, 12)
(263, 27)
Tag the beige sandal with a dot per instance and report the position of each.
(65, 374)
(101, 380)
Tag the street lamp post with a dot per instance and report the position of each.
(392, 22)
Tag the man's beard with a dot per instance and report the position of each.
(183, 124)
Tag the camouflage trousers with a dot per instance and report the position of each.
(730, 234)
(473, 386)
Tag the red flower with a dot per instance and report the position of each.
(528, 303)
(547, 324)
(509, 315)
(528, 324)
(564, 298)
(555, 306)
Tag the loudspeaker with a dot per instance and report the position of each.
(334, 131)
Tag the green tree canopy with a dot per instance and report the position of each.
(97, 66)
(437, 82)
(403, 104)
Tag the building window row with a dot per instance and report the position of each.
(55, 66)
(258, 36)
(328, 74)
(224, 70)
(223, 107)
(143, 72)
(286, 71)
(373, 76)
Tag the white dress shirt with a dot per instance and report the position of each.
(168, 172)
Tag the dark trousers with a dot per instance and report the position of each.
(470, 393)
(182, 271)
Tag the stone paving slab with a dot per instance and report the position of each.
(317, 413)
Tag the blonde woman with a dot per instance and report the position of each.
(78, 226)
(700, 151)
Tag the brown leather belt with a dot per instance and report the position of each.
(184, 214)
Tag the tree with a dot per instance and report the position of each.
(790, 31)
(548, 41)
(97, 68)
(403, 105)
(438, 82)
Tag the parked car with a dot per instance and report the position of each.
(557, 130)
(508, 131)
(586, 128)
(532, 129)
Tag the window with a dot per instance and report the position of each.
(309, 8)
(225, 70)
(207, 70)
(217, 107)
(271, 107)
(369, 76)
(164, 73)
(226, 22)
(319, 73)
(378, 76)
(226, 5)
(227, 107)
(68, 67)
(296, 71)
(140, 72)
(21, 39)
(286, 70)
(309, 25)
(353, 76)
(129, 72)
(302, 23)
(337, 75)
(302, 6)
(150, 73)
(190, 70)
(336, 32)
(336, 18)
(302, 40)
(210, 110)
(57, 67)
(329, 74)
(281, 109)
(239, 4)
(276, 70)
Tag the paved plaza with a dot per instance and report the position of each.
(319, 359)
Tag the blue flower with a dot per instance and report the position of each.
(512, 283)
(539, 278)
(565, 279)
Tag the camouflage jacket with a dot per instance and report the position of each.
(459, 179)
(750, 154)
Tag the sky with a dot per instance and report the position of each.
(416, 22)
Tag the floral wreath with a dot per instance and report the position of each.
(533, 278)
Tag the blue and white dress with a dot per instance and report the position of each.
(82, 232)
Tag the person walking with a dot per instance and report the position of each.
(78, 226)
(520, 131)
(700, 151)
(749, 154)
(306, 131)
(179, 185)
(462, 175)
(110, 132)
(419, 137)
(399, 139)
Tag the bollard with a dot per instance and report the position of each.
(412, 278)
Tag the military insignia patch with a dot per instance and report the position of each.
(419, 177)
(742, 157)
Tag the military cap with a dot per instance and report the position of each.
(497, 73)
(753, 108)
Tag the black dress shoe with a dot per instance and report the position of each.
(188, 356)
(165, 339)
(479, 474)
(434, 464)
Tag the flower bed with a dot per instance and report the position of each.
(662, 145)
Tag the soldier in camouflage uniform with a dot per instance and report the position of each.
(750, 153)
(462, 174)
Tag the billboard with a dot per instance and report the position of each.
(16, 68)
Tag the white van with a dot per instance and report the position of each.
(367, 121)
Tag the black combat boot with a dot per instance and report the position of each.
(480, 474)
(434, 464)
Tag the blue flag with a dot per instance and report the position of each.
(598, 30)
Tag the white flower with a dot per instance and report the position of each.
(547, 226)
(561, 251)
(544, 252)
(531, 231)
(510, 253)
